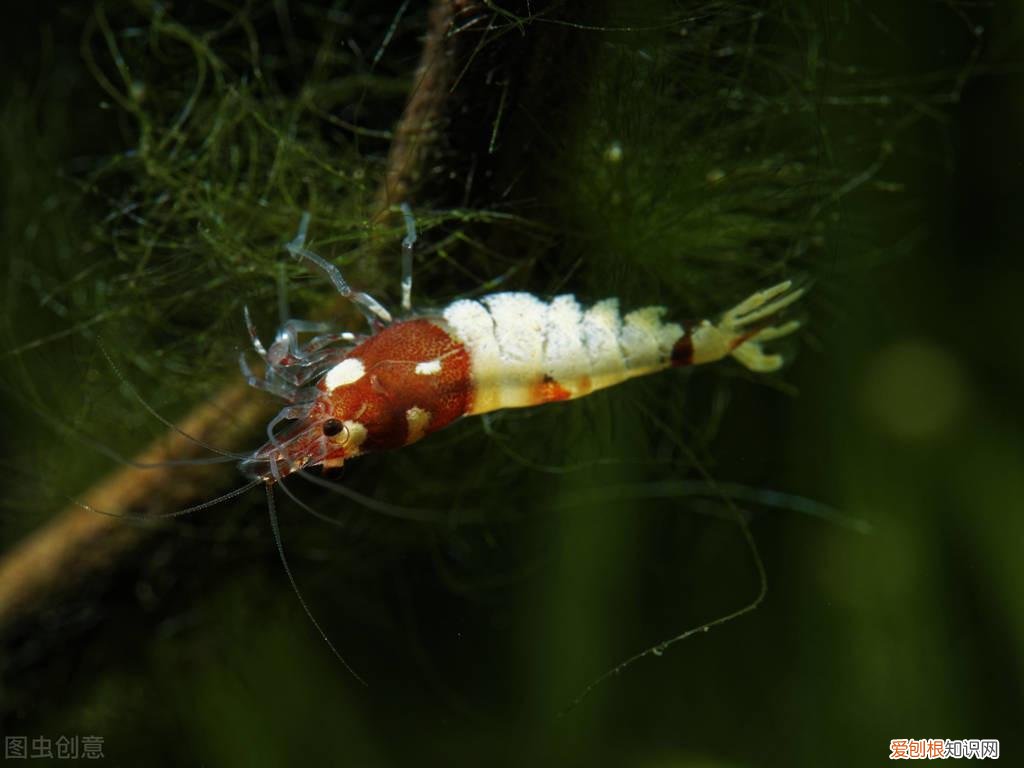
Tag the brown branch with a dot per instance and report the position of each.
(80, 542)
(421, 122)
(78, 545)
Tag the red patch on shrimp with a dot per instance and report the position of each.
(410, 364)
(549, 391)
(682, 351)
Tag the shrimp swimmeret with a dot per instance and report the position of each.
(352, 394)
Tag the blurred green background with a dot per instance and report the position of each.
(684, 153)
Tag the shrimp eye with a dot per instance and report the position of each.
(332, 427)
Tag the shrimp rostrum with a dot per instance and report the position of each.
(352, 394)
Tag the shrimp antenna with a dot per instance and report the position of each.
(164, 515)
(418, 514)
(751, 606)
(102, 448)
(156, 415)
(295, 587)
(307, 508)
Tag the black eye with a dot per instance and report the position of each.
(332, 427)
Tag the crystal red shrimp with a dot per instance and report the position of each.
(350, 395)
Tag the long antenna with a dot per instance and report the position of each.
(751, 606)
(295, 587)
(155, 414)
(164, 515)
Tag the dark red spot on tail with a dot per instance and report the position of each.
(682, 351)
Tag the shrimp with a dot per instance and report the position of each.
(354, 394)
(349, 394)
